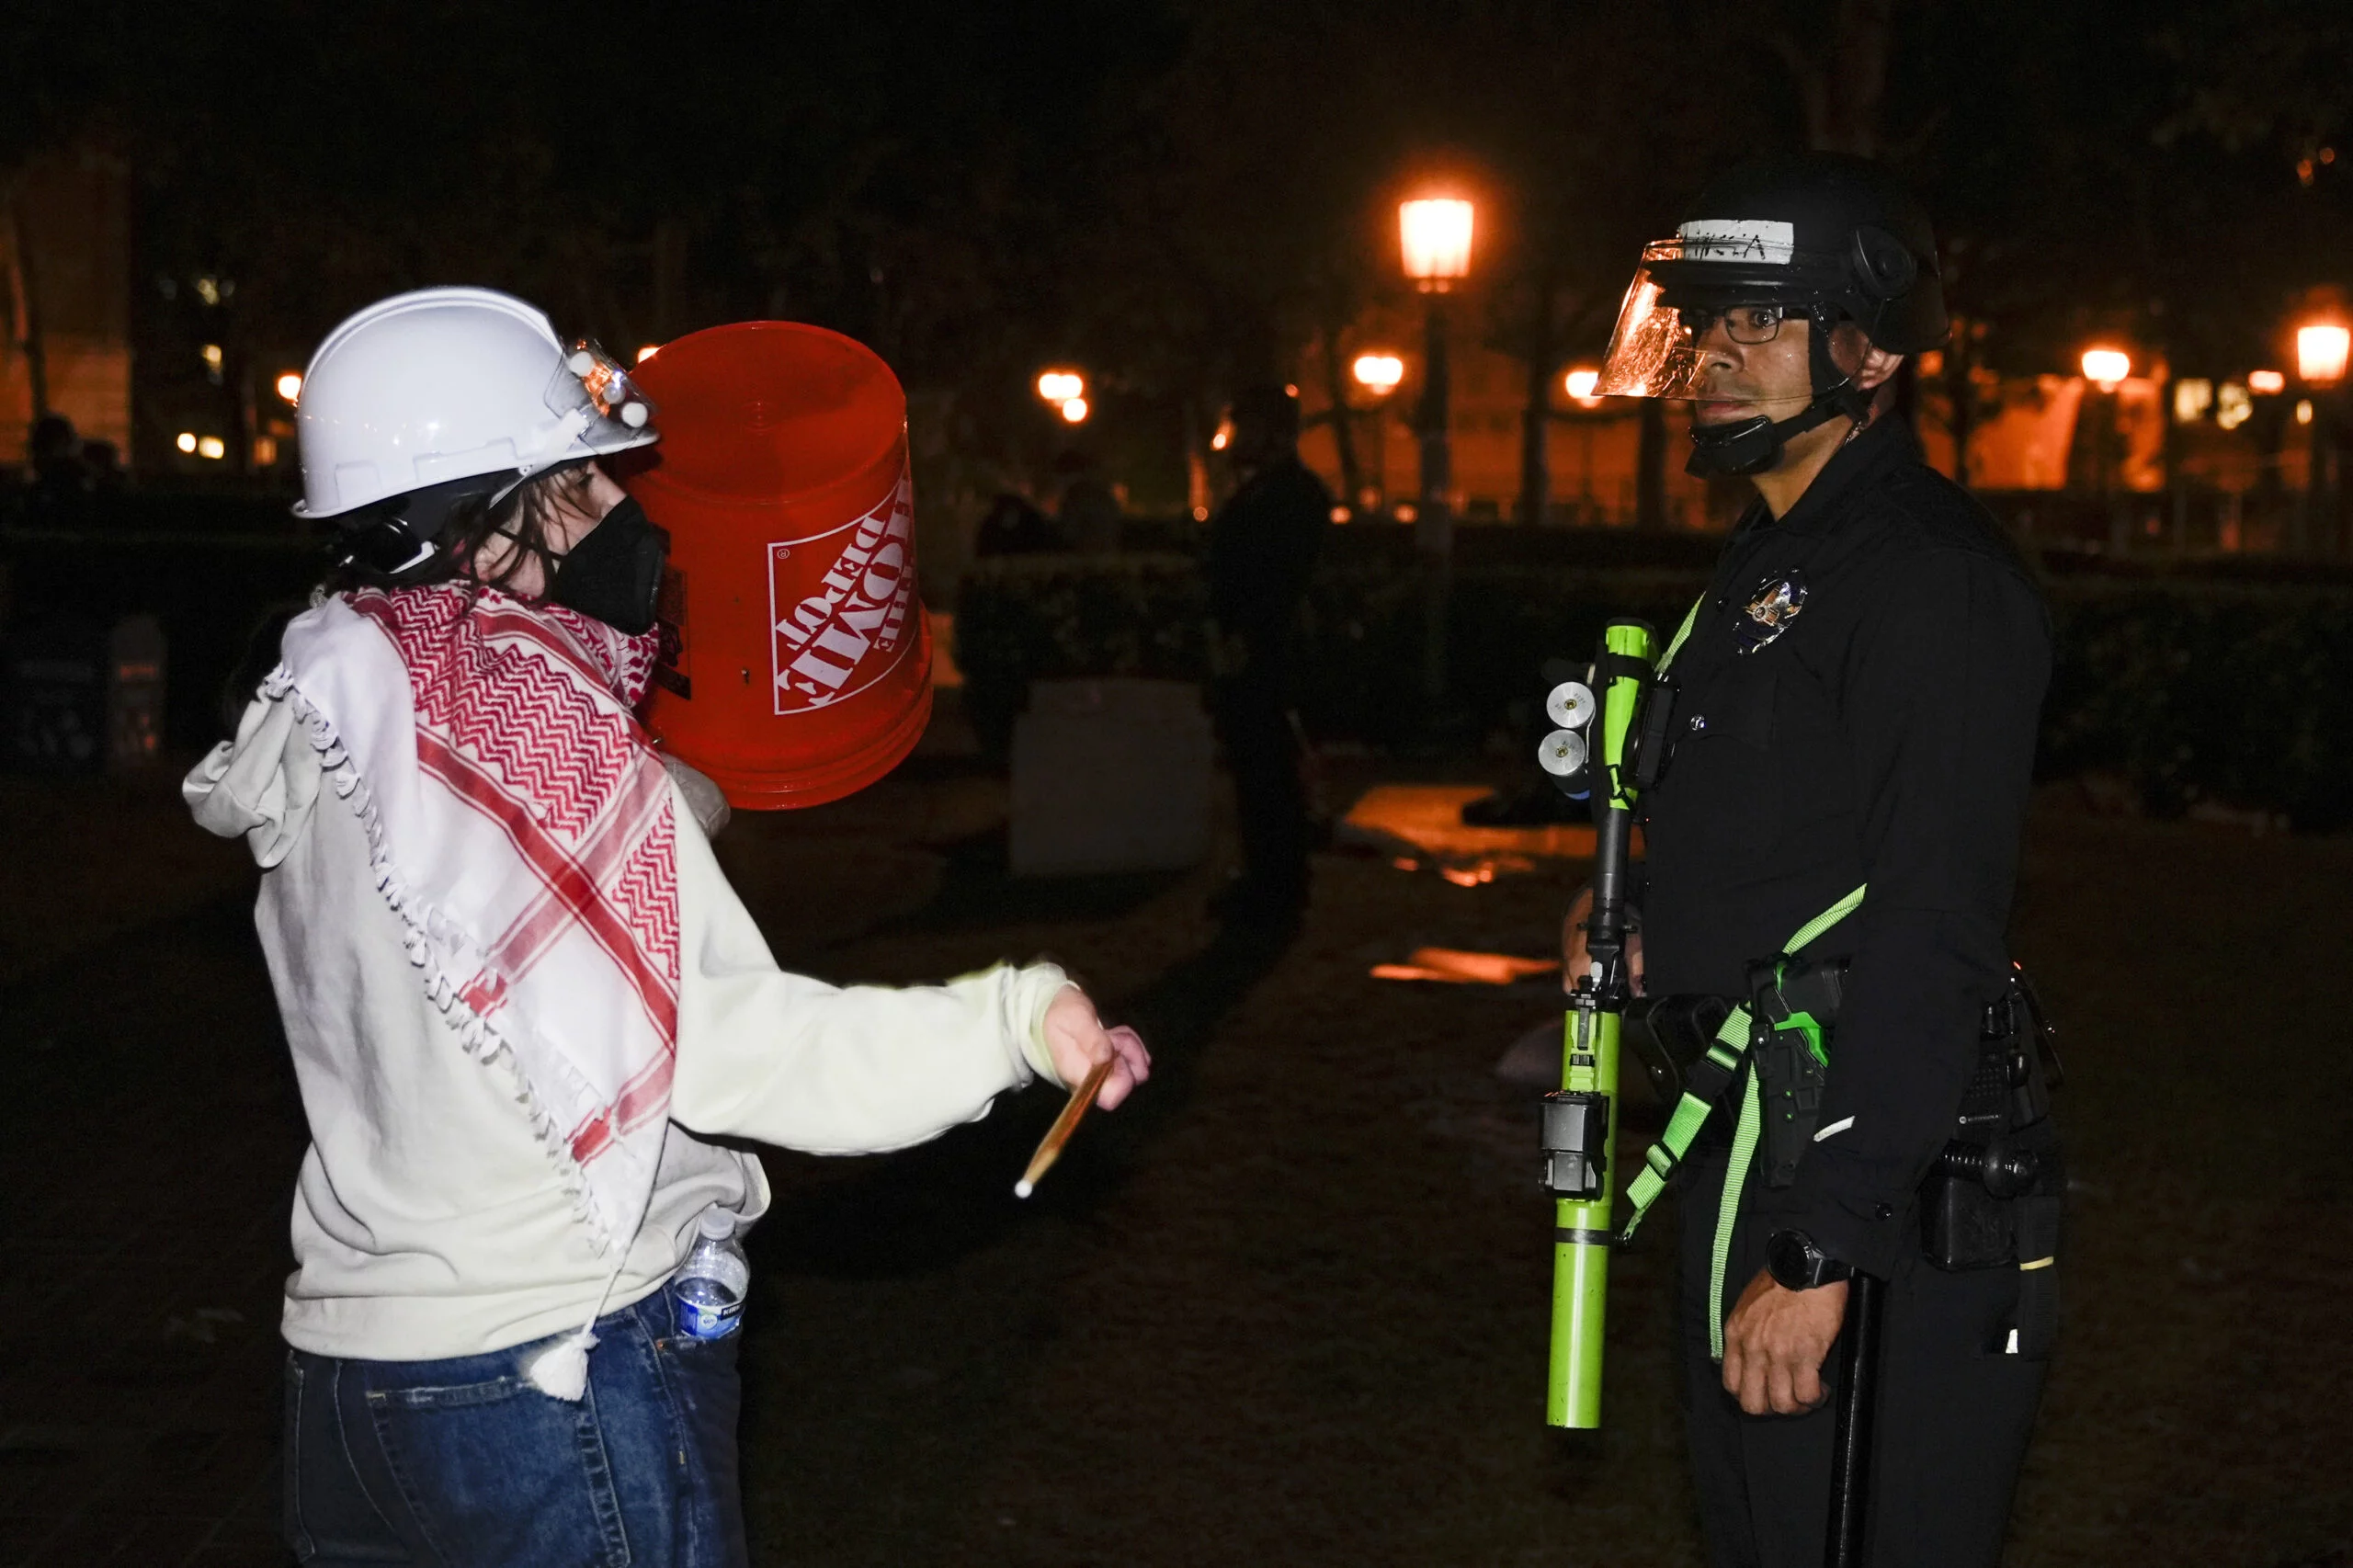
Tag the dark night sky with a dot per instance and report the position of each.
(1181, 191)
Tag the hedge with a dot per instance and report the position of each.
(2236, 693)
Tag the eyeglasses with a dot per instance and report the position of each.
(1747, 325)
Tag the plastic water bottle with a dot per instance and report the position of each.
(710, 1286)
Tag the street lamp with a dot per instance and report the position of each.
(1379, 373)
(2322, 347)
(1434, 235)
(289, 385)
(1066, 391)
(2321, 351)
(2107, 368)
(1580, 384)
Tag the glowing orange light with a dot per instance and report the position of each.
(2269, 383)
(1061, 386)
(186, 441)
(1074, 410)
(2321, 351)
(1434, 235)
(290, 386)
(1581, 382)
(1379, 373)
(648, 352)
(2106, 368)
(211, 447)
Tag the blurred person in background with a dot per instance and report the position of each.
(61, 487)
(1089, 508)
(1012, 525)
(1263, 545)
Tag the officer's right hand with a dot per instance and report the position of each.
(1575, 964)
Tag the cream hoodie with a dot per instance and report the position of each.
(428, 1222)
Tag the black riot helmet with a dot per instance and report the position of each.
(1817, 234)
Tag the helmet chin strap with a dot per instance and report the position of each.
(1752, 446)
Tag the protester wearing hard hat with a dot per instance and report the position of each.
(521, 999)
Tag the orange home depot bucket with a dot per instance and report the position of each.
(795, 661)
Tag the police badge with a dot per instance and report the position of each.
(1777, 603)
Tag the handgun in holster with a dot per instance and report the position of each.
(1792, 1010)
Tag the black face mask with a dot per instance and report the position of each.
(615, 573)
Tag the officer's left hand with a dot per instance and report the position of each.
(1775, 1344)
(1077, 1039)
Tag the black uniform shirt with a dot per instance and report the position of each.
(1872, 719)
(1263, 545)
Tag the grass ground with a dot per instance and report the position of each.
(1289, 1307)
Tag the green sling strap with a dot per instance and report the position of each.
(1682, 632)
(1726, 1051)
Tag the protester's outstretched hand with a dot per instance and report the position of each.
(1775, 1344)
(1077, 1039)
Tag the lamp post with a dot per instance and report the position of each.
(1378, 373)
(2105, 370)
(1434, 234)
(2322, 348)
(1579, 384)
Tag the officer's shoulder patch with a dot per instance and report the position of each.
(1771, 610)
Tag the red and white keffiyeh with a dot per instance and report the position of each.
(521, 825)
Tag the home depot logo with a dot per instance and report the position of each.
(839, 604)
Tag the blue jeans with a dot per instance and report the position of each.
(462, 1462)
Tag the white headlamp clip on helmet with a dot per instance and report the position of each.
(427, 401)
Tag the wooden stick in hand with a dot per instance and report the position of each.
(1050, 1147)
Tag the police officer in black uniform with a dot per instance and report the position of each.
(1856, 704)
(1263, 544)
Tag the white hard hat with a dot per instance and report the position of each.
(447, 384)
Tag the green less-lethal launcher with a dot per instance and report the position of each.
(1581, 1121)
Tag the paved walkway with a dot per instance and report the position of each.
(147, 1148)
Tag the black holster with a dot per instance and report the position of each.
(1793, 1013)
(1994, 1196)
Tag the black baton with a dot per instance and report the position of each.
(1850, 1444)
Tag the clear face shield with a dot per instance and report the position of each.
(1694, 315)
